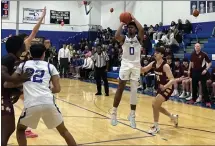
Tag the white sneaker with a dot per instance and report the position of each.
(174, 119)
(189, 98)
(183, 95)
(154, 130)
(176, 93)
(113, 119)
(131, 118)
(199, 99)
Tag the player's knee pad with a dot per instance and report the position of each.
(134, 86)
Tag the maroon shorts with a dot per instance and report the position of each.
(6, 107)
(166, 93)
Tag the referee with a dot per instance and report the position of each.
(101, 59)
(199, 65)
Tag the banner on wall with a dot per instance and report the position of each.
(32, 15)
(202, 7)
(210, 6)
(57, 16)
(5, 9)
(193, 6)
(38, 40)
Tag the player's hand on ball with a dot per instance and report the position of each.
(132, 16)
(122, 23)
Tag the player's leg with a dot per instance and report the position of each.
(133, 102)
(53, 119)
(28, 132)
(199, 99)
(213, 86)
(123, 77)
(104, 78)
(177, 81)
(190, 89)
(156, 106)
(7, 128)
(29, 118)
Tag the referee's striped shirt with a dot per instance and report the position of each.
(100, 60)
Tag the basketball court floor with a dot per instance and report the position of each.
(87, 118)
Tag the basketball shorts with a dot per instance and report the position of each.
(129, 72)
(6, 107)
(50, 114)
(166, 93)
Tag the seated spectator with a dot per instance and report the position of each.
(147, 45)
(212, 82)
(87, 67)
(151, 31)
(185, 78)
(158, 32)
(79, 64)
(170, 62)
(172, 26)
(177, 75)
(179, 25)
(172, 42)
(187, 27)
(168, 52)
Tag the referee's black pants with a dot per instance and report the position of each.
(64, 66)
(196, 77)
(101, 73)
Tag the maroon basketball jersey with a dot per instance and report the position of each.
(185, 70)
(177, 71)
(161, 77)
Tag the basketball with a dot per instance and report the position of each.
(111, 10)
(195, 13)
(85, 2)
(125, 17)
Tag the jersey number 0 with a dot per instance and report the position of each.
(131, 50)
(38, 76)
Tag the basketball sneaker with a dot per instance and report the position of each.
(113, 119)
(30, 134)
(183, 95)
(131, 118)
(154, 129)
(174, 119)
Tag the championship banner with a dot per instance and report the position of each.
(57, 16)
(5, 9)
(32, 15)
(38, 40)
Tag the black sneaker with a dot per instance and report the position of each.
(98, 93)
(107, 94)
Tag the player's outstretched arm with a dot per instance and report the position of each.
(11, 84)
(169, 75)
(120, 38)
(147, 68)
(139, 27)
(56, 84)
(35, 30)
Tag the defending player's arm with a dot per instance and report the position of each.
(7, 78)
(35, 30)
(140, 29)
(169, 75)
(120, 38)
(147, 68)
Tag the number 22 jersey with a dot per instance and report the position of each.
(37, 90)
(131, 51)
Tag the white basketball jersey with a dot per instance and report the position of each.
(131, 51)
(36, 90)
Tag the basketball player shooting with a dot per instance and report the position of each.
(165, 81)
(39, 100)
(130, 67)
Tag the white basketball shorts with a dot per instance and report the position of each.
(129, 71)
(50, 114)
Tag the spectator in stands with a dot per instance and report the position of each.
(172, 41)
(147, 45)
(101, 59)
(187, 27)
(185, 78)
(199, 68)
(170, 62)
(158, 32)
(64, 60)
(145, 28)
(168, 52)
(179, 25)
(172, 26)
(151, 31)
(213, 32)
(164, 37)
(212, 78)
(78, 65)
(87, 67)
(177, 75)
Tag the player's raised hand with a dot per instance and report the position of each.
(44, 12)
(132, 16)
